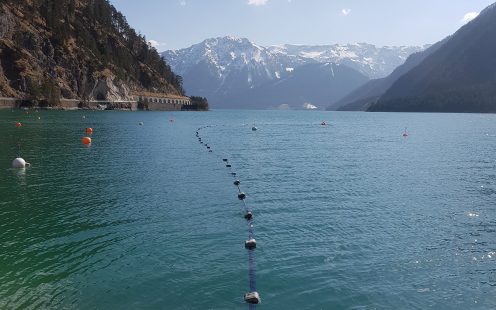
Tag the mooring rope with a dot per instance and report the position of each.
(252, 297)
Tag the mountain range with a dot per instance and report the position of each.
(456, 74)
(235, 72)
(362, 97)
(460, 76)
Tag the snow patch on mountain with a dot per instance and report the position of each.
(220, 68)
(225, 54)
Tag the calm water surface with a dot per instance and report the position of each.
(348, 216)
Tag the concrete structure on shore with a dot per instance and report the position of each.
(8, 103)
(161, 102)
(144, 101)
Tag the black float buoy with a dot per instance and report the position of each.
(208, 147)
(248, 216)
(250, 243)
(224, 159)
(210, 151)
(253, 298)
(237, 182)
(228, 166)
(233, 174)
(241, 196)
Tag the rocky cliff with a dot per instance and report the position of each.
(76, 49)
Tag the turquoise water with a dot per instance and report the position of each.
(348, 216)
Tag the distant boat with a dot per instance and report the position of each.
(309, 106)
(254, 128)
(405, 134)
(323, 123)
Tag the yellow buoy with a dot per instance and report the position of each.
(86, 140)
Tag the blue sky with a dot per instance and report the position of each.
(173, 24)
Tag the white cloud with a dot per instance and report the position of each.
(345, 12)
(469, 16)
(155, 43)
(182, 2)
(257, 2)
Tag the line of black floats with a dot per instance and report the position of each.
(251, 297)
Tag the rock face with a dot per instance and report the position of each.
(109, 88)
(76, 49)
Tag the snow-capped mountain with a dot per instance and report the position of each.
(225, 69)
(226, 57)
(374, 62)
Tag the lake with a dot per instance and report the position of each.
(351, 215)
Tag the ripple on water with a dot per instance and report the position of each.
(348, 216)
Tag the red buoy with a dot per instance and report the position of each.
(86, 140)
(18, 124)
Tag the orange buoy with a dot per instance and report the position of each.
(18, 124)
(86, 140)
(89, 130)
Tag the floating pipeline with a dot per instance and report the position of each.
(252, 297)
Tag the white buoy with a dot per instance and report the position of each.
(248, 216)
(19, 163)
(252, 298)
(251, 243)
